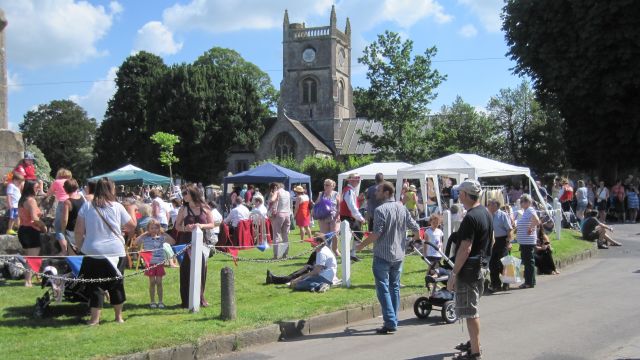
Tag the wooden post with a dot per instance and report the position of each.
(227, 294)
(345, 241)
(196, 269)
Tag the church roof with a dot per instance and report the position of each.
(310, 136)
(349, 136)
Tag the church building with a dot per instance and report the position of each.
(316, 115)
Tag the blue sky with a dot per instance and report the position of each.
(67, 49)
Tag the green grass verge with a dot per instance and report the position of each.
(61, 335)
(570, 243)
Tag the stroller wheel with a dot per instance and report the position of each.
(449, 312)
(422, 307)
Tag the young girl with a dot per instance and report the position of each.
(433, 235)
(153, 240)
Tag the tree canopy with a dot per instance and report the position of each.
(62, 130)
(401, 88)
(583, 59)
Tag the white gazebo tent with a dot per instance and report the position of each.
(460, 166)
(389, 170)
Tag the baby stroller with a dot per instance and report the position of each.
(58, 289)
(441, 299)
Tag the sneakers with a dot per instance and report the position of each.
(355, 258)
(12, 232)
(269, 279)
(161, 305)
(385, 331)
(323, 288)
(153, 306)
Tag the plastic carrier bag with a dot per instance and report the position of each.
(511, 273)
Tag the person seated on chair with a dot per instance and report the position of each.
(593, 229)
(237, 214)
(258, 206)
(324, 270)
(543, 258)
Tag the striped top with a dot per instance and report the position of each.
(391, 221)
(522, 235)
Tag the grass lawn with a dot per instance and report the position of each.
(570, 243)
(61, 334)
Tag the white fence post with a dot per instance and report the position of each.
(446, 226)
(557, 218)
(196, 269)
(345, 242)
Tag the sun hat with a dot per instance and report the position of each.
(298, 189)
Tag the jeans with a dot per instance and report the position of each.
(528, 260)
(498, 251)
(387, 277)
(311, 283)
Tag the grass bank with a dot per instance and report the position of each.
(61, 333)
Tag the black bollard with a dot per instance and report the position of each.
(227, 294)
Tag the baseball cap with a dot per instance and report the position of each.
(471, 187)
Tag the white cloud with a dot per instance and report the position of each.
(95, 101)
(156, 38)
(468, 31)
(232, 15)
(14, 83)
(45, 32)
(488, 11)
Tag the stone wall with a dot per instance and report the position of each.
(11, 150)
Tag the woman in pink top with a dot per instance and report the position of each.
(57, 189)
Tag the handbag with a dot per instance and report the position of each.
(322, 209)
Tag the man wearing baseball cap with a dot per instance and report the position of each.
(473, 241)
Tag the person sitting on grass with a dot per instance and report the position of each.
(153, 240)
(593, 229)
(543, 258)
(324, 270)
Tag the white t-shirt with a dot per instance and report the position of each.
(325, 258)
(217, 218)
(15, 193)
(162, 210)
(435, 237)
(262, 210)
(99, 239)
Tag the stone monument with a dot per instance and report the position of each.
(11, 143)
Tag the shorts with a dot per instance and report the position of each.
(13, 213)
(29, 237)
(467, 296)
(602, 205)
(592, 236)
(156, 271)
(582, 206)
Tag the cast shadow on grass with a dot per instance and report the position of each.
(55, 316)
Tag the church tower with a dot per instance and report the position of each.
(316, 80)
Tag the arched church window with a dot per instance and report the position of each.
(309, 91)
(284, 146)
(341, 94)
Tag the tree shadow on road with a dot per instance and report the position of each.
(434, 357)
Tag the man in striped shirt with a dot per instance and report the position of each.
(390, 223)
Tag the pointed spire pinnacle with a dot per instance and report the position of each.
(347, 29)
(286, 17)
(333, 16)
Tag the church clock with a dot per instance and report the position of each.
(308, 55)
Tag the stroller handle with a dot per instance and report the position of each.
(435, 247)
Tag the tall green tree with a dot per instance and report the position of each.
(64, 133)
(459, 127)
(532, 134)
(583, 58)
(231, 60)
(123, 135)
(401, 88)
(212, 110)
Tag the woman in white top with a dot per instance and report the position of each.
(527, 238)
(280, 215)
(602, 196)
(582, 200)
(98, 235)
(258, 206)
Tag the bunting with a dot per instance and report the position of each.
(114, 262)
(34, 262)
(146, 257)
(177, 249)
(422, 230)
(75, 263)
(263, 246)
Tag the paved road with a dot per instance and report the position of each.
(590, 311)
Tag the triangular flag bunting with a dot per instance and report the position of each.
(366, 234)
(234, 253)
(177, 249)
(146, 256)
(114, 262)
(422, 233)
(329, 235)
(34, 262)
(309, 240)
(263, 246)
(75, 263)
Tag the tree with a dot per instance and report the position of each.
(532, 134)
(461, 128)
(231, 60)
(583, 59)
(124, 133)
(166, 142)
(64, 133)
(400, 90)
